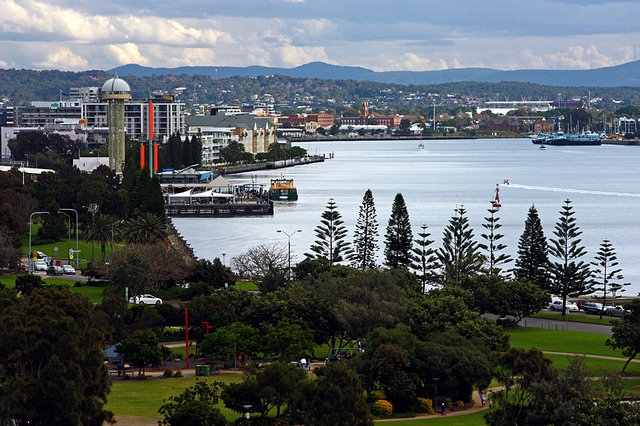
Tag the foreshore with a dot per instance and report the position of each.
(269, 165)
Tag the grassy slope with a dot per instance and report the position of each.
(144, 397)
(574, 318)
(561, 341)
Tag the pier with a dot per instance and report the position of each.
(264, 208)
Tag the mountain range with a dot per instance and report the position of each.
(627, 74)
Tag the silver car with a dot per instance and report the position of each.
(615, 311)
(68, 269)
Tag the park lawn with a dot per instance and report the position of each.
(8, 280)
(94, 294)
(83, 246)
(598, 366)
(472, 419)
(246, 285)
(631, 386)
(561, 341)
(143, 398)
(591, 319)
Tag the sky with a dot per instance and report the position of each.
(413, 35)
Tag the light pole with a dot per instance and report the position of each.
(289, 251)
(77, 250)
(435, 394)
(30, 220)
(224, 263)
(68, 230)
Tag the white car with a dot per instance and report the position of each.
(68, 269)
(40, 265)
(146, 299)
(556, 305)
(615, 311)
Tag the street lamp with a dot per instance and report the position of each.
(289, 245)
(29, 256)
(77, 250)
(68, 230)
(224, 263)
(435, 394)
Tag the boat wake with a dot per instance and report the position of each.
(569, 190)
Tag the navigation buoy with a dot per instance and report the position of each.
(496, 201)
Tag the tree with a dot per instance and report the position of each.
(532, 261)
(287, 340)
(25, 284)
(399, 238)
(493, 246)
(195, 406)
(626, 334)
(365, 238)
(229, 341)
(100, 230)
(214, 273)
(331, 234)
(258, 262)
(129, 268)
(335, 398)
(458, 255)
(425, 260)
(606, 272)
(570, 276)
(52, 370)
(141, 349)
(272, 387)
(145, 229)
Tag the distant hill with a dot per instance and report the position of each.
(617, 76)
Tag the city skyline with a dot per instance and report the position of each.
(382, 36)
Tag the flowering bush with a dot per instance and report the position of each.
(382, 407)
(425, 406)
(459, 404)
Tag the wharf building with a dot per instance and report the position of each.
(217, 131)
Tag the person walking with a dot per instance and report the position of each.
(303, 363)
(483, 398)
(444, 409)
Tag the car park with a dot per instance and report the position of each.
(592, 308)
(40, 265)
(556, 305)
(615, 311)
(146, 299)
(54, 270)
(68, 269)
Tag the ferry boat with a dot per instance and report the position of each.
(561, 138)
(283, 189)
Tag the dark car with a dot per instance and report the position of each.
(592, 308)
(54, 270)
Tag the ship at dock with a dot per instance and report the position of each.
(283, 190)
(566, 139)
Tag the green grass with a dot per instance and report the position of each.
(63, 249)
(143, 398)
(8, 280)
(599, 367)
(246, 285)
(94, 294)
(573, 318)
(631, 386)
(561, 341)
(473, 419)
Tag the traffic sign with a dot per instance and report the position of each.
(35, 255)
(70, 253)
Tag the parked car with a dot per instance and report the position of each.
(68, 269)
(41, 265)
(615, 311)
(54, 270)
(146, 299)
(556, 305)
(592, 307)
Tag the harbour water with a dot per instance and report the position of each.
(603, 183)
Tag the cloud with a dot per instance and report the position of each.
(63, 59)
(127, 53)
(297, 55)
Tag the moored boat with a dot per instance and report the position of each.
(283, 189)
(561, 138)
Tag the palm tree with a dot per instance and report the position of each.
(100, 231)
(145, 229)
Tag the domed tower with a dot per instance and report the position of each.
(116, 91)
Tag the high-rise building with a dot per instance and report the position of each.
(85, 94)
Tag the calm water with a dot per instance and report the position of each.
(603, 183)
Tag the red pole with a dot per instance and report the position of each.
(151, 120)
(155, 157)
(186, 332)
(142, 156)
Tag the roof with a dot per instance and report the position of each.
(220, 182)
(115, 85)
(243, 121)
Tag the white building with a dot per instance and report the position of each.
(213, 140)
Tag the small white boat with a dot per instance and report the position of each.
(421, 146)
(542, 147)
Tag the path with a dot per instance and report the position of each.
(613, 358)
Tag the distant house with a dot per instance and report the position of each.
(508, 124)
(544, 126)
